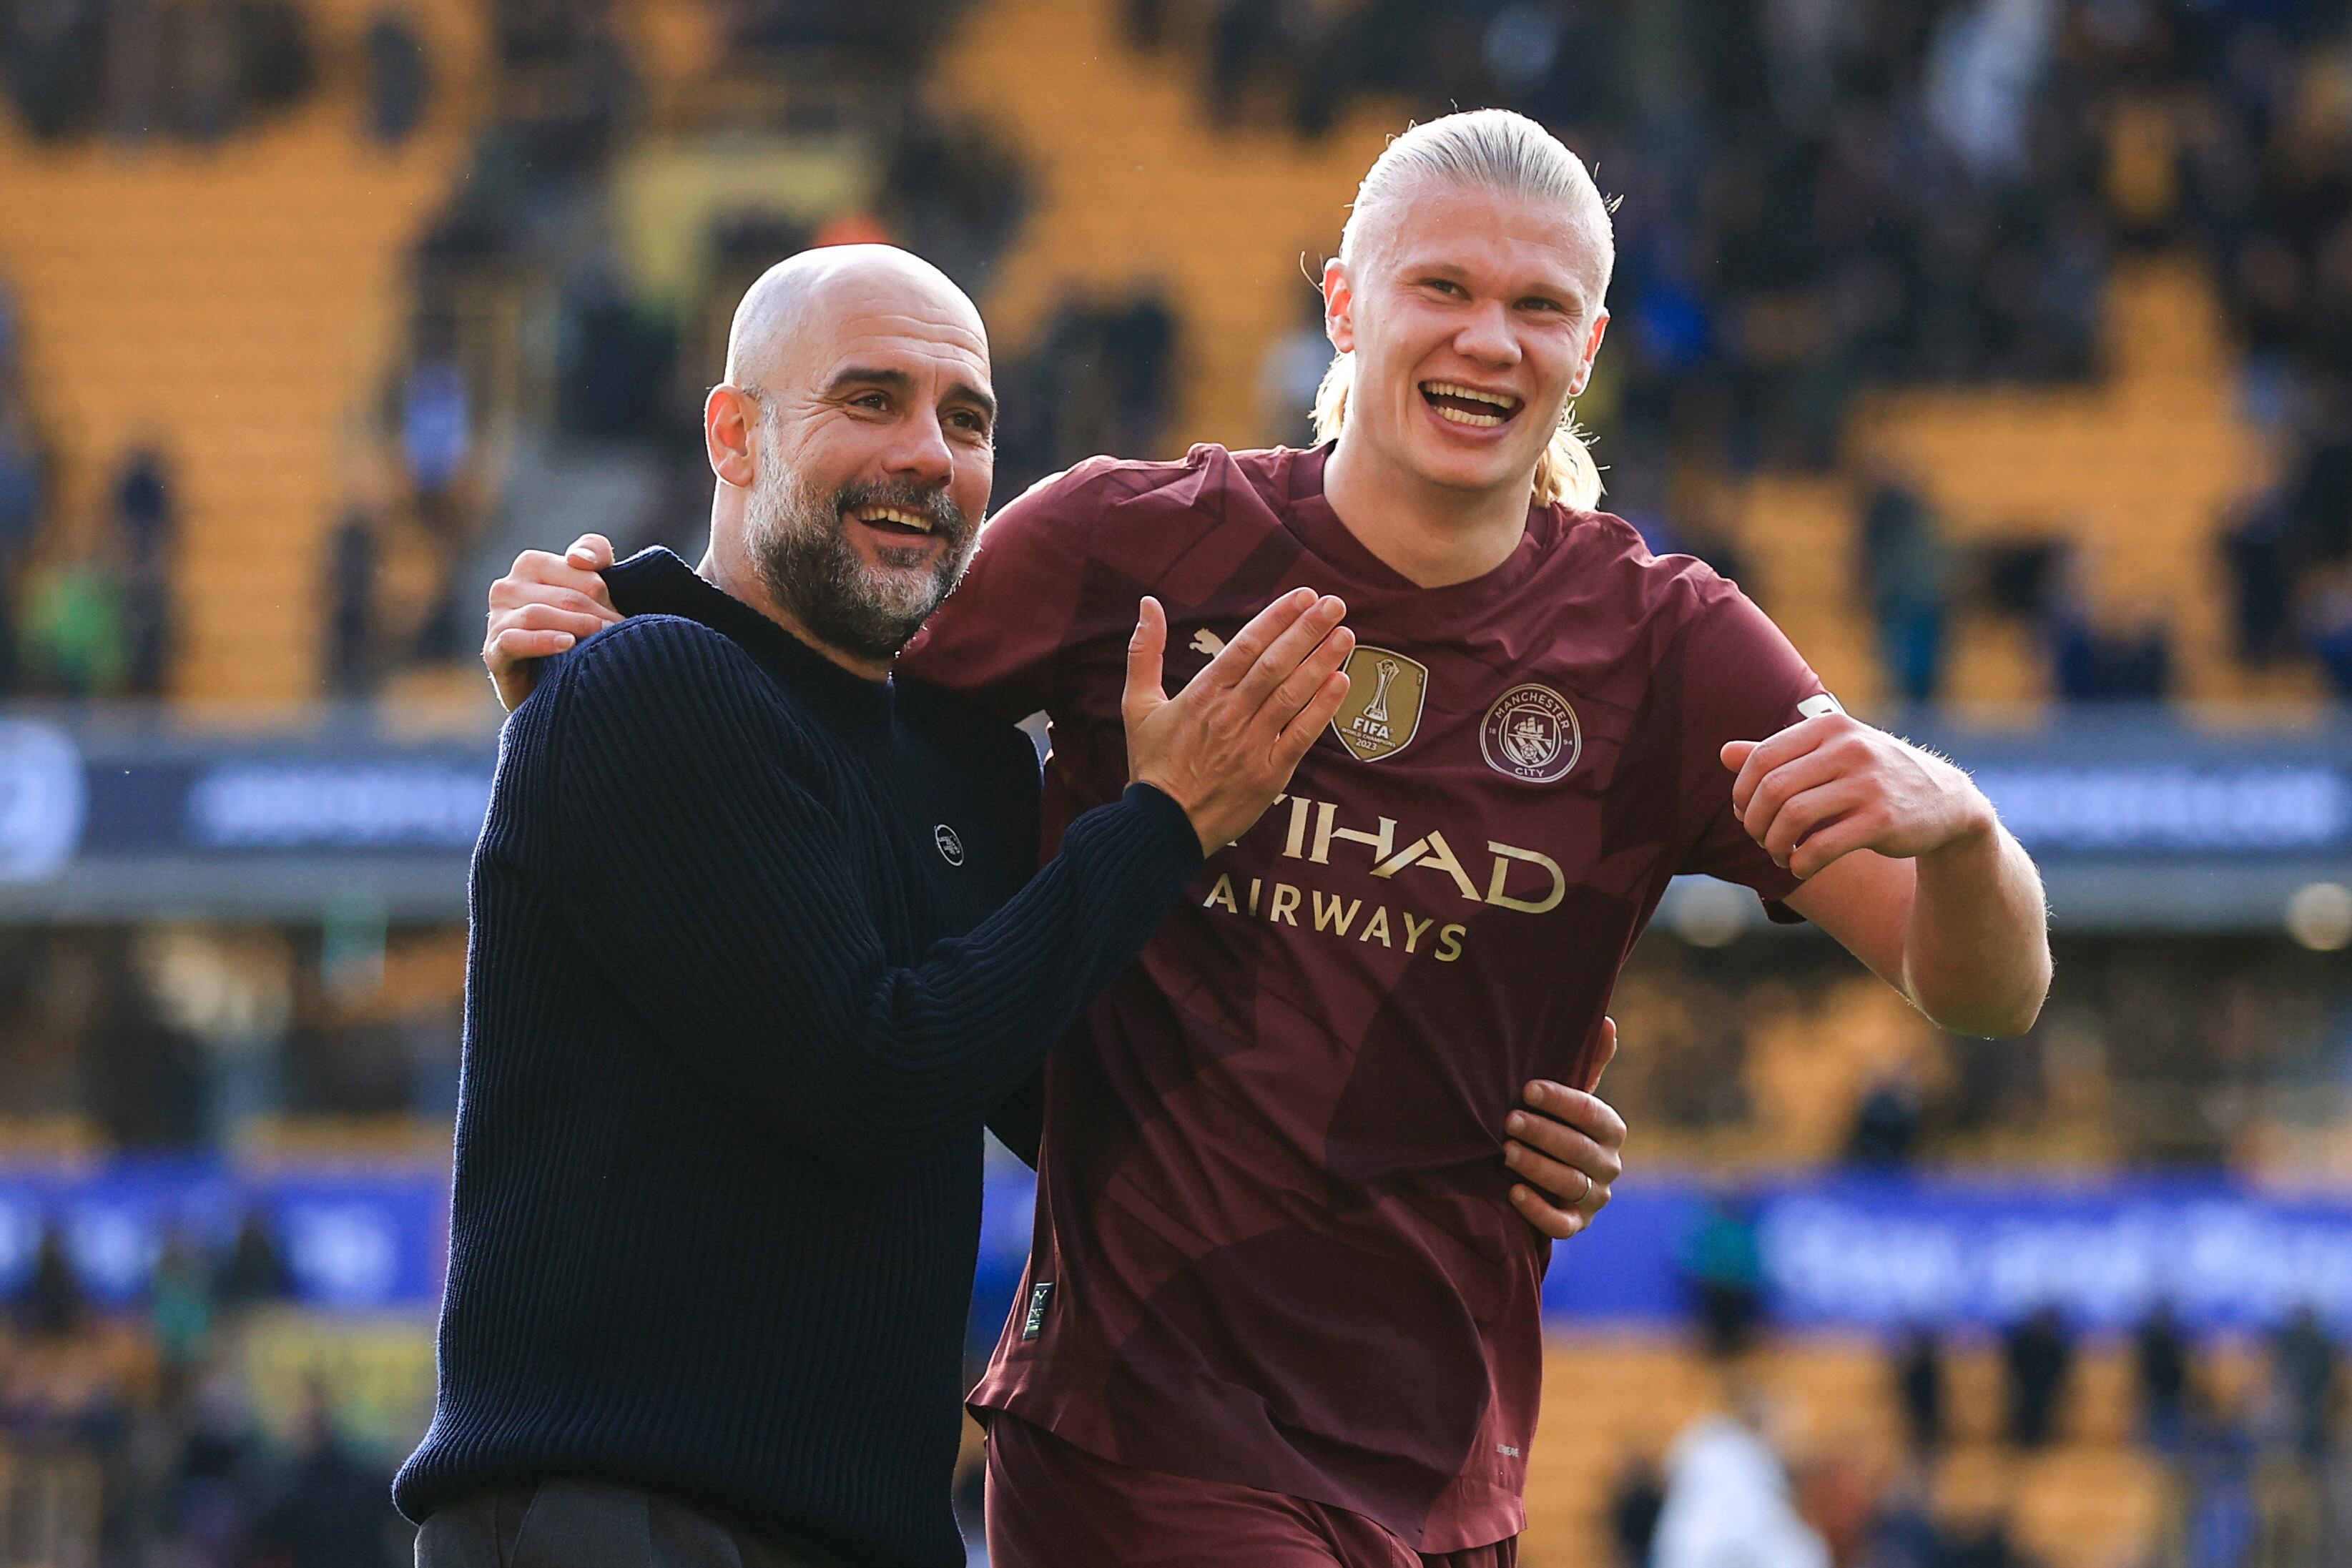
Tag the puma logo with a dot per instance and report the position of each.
(1207, 641)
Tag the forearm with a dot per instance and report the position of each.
(1976, 953)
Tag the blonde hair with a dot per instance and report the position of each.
(1503, 152)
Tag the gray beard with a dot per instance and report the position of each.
(798, 542)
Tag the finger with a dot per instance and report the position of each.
(1298, 688)
(1813, 809)
(510, 648)
(548, 617)
(1735, 753)
(1587, 1114)
(1300, 733)
(1774, 750)
(1238, 655)
(1604, 1056)
(1144, 651)
(590, 552)
(1829, 844)
(1559, 1144)
(511, 593)
(1776, 788)
(1570, 1183)
(538, 576)
(1299, 642)
(1559, 1224)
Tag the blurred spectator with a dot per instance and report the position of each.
(1919, 1387)
(146, 526)
(436, 435)
(1904, 1533)
(1886, 1125)
(1728, 1500)
(1636, 1497)
(2160, 1365)
(254, 1273)
(350, 632)
(1984, 1542)
(179, 1314)
(2038, 1356)
(1725, 1273)
(952, 194)
(2101, 657)
(73, 644)
(21, 498)
(399, 75)
(330, 1511)
(2307, 1365)
(51, 1304)
(1906, 572)
(52, 53)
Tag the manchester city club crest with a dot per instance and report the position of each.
(1383, 706)
(1531, 733)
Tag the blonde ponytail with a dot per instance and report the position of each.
(1505, 152)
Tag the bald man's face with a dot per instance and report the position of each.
(874, 451)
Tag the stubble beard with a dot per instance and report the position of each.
(799, 546)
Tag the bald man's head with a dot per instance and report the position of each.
(855, 443)
(773, 323)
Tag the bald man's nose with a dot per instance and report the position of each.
(922, 452)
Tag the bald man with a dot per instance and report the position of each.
(757, 950)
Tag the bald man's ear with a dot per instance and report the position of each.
(729, 415)
(1338, 307)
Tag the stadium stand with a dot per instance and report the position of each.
(285, 309)
(239, 306)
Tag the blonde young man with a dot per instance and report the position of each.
(1279, 1310)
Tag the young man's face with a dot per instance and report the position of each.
(1472, 317)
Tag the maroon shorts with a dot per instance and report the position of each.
(1054, 1505)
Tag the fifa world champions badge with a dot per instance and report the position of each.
(1531, 733)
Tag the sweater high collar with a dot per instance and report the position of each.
(656, 582)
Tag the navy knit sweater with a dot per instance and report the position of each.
(756, 948)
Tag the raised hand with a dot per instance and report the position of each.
(543, 606)
(1826, 787)
(1567, 1148)
(1225, 746)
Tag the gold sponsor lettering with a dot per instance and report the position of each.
(1434, 854)
(1381, 841)
(1414, 930)
(1503, 855)
(1285, 901)
(1449, 942)
(1221, 894)
(1329, 915)
(1380, 923)
(1255, 882)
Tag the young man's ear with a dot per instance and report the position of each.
(1338, 307)
(1592, 352)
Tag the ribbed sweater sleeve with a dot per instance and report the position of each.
(698, 861)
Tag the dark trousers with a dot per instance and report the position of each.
(588, 1524)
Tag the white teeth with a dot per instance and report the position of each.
(1483, 420)
(1503, 400)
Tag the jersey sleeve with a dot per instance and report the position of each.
(1742, 679)
(1001, 639)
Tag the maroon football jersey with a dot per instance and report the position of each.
(1274, 1245)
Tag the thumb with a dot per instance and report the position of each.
(590, 552)
(1604, 1056)
(1735, 753)
(1145, 694)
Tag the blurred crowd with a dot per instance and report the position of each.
(136, 71)
(130, 1437)
(2250, 1444)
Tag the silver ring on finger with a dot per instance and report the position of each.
(1586, 1193)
